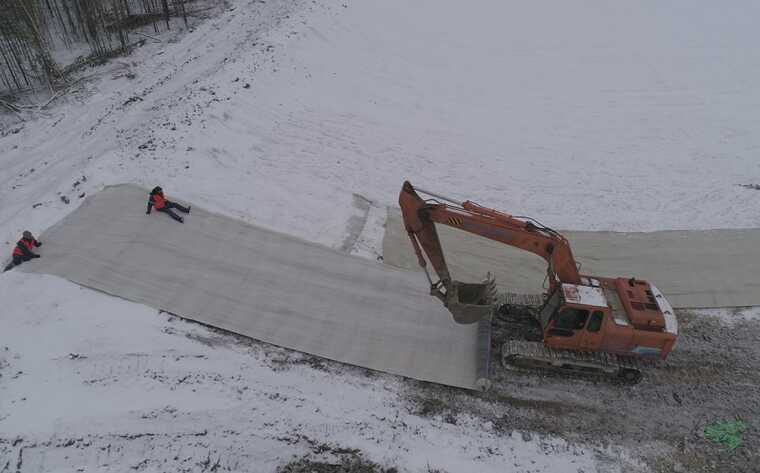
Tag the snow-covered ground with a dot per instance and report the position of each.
(586, 115)
(90, 381)
(733, 316)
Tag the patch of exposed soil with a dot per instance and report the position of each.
(343, 463)
(711, 375)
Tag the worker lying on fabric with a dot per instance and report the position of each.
(23, 250)
(158, 201)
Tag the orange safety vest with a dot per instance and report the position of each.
(159, 202)
(29, 244)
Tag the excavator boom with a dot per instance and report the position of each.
(470, 302)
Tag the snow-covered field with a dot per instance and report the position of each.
(586, 115)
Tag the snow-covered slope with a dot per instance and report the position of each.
(587, 115)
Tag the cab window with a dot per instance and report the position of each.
(596, 321)
(572, 319)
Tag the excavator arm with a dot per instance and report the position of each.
(466, 301)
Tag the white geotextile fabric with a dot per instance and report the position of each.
(255, 282)
(693, 268)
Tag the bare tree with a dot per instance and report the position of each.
(31, 29)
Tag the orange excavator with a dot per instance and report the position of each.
(588, 323)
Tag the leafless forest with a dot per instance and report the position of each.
(32, 31)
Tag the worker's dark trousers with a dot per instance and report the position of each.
(173, 205)
(17, 260)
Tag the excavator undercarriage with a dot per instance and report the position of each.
(535, 355)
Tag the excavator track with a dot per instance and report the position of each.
(522, 300)
(522, 354)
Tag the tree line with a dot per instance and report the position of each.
(30, 30)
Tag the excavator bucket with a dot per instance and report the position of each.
(471, 302)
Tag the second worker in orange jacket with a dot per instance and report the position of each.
(157, 200)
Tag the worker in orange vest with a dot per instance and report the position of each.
(23, 250)
(157, 200)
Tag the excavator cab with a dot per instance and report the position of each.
(594, 317)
